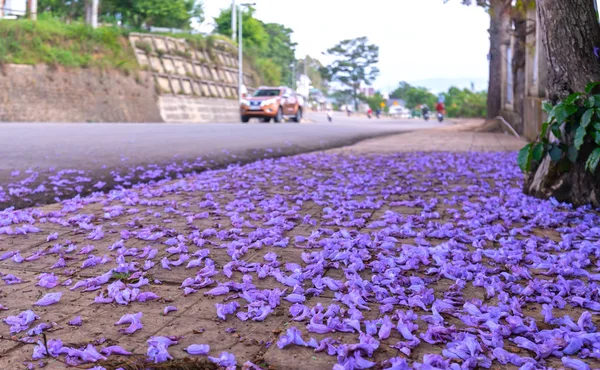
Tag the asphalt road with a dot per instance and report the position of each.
(97, 148)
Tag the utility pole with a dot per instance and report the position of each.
(91, 13)
(94, 18)
(233, 20)
(32, 9)
(240, 59)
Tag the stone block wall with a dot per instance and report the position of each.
(180, 69)
(189, 109)
(53, 94)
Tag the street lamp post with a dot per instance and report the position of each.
(240, 60)
(233, 20)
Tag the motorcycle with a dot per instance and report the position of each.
(426, 116)
(329, 117)
(440, 117)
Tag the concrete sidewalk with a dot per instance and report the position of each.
(459, 137)
(371, 236)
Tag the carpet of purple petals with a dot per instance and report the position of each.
(415, 260)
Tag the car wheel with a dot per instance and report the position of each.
(266, 119)
(245, 119)
(298, 116)
(279, 117)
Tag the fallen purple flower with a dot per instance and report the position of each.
(198, 349)
(49, 299)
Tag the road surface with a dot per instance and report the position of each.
(37, 151)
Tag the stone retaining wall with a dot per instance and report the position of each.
(48, 94)
(187, 109)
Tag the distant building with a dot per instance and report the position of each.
(11, 9)
(367, 91)
(396, 103)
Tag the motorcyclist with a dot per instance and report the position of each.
(440, 108)
(369, 112)
(329, 114)
(424, 109)
(378, 112)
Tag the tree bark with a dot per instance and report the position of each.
(570, 32)
(518, 63)
(499, 36)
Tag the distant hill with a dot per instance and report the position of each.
(438, 85)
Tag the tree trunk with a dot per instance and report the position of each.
(518, 64)
(570, 32)
(499, 36)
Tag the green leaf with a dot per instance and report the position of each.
(590, 102)
(580, 136)
(524, 158)
(556, 129)
(572, 153)
(587, 117)
(544, 130)
(562, 112)
(596, 137)
(573, 98)
(547, 106)
(597, 126)
(589, 87)
(538, 151)
(593, 160)
(596, 100)
(555, 153)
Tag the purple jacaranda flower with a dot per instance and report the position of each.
(295, 298)
(60, 263)
(291, 336)
(147, 296)
(21, 321)
(226, 309)
(49, 299)
(396, 363)
(168, 309)
(141, 282)
(115, 350)
(11, 279)
(225, 359)
(219, 290)
(7, 255)
(597, 52)
(17, 258)
(96, 234)
(37, 330)
(299, 312)
(386, 328)
(134, 320)
(571, 363)
(52, 236)
(76, 321)
(157, 349)
(47, 280)
(198, 349)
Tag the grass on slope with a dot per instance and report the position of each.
(53, 42)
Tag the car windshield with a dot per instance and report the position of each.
(269, 92)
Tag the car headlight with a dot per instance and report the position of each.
(245, 102)
(268, 102)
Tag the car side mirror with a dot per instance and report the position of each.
(285, 96)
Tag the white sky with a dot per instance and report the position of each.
(418, 39)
